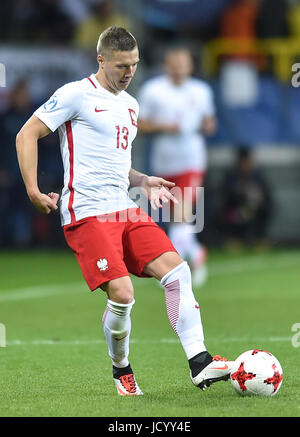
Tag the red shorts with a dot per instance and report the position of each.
(113, 245)
(192, 179)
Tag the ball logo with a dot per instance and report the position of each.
(241, 376)
(51, 103)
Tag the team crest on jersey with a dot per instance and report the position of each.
(102, 264)
(51, 103)
(133, 117)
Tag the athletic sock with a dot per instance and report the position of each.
(183, 310)
(121, 371)
(199, 362)
(117, 326)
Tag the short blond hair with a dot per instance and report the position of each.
(115, 38)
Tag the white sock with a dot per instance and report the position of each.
(117, 326)
(183, 310)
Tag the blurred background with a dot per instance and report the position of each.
(244, 49)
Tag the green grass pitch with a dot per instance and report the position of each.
(55, 362)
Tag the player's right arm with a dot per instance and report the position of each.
(151, 127)
(27, 152)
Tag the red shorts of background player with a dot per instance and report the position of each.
(113, 245)
(191, 179)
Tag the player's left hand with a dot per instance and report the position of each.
(158, 191)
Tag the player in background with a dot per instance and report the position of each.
(97, 122)
(179, 110)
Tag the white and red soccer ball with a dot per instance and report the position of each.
(256, 372)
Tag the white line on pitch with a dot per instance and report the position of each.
(38, 291)
(39, 342)
(255, 262)
(216, 268)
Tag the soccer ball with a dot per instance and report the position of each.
(256, 372)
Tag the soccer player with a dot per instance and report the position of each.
(179, 110)
(111, 237)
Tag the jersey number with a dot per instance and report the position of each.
(124, 132)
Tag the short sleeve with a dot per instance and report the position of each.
(62, 106)
(146, 102)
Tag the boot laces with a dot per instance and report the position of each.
(128, 382)
(219, 358)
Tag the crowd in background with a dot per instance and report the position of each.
(77, 24)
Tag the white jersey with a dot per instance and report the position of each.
(96, 129)
(186, 105)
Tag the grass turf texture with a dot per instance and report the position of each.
(56, 362)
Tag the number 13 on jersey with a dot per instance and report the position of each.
(123, 133)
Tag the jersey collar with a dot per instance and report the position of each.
(96, 85)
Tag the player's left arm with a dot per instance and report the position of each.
(157, 189)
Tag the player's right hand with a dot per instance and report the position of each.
(45, 203)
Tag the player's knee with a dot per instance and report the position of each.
(121, 294)
(120, 290)
(163, 264)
